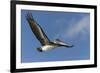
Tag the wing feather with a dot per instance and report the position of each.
(37, 30)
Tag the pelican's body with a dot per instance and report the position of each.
(41, 36)
(46, 47)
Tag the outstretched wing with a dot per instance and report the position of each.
(37, 30)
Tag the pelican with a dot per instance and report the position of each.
(42, 37)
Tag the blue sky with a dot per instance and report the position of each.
(71, 27)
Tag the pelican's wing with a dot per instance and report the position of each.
(37, 30)
(62, 43)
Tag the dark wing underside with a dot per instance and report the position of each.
(37, 30)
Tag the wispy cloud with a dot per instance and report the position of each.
(80, 27)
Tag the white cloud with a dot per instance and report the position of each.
(77, 28)
(81, 26)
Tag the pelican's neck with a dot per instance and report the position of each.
(48, 47)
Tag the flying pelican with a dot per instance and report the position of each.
(41, 36)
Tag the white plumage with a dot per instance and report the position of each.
(48, 47)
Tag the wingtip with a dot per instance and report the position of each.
(29, 15)
(72, 46)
